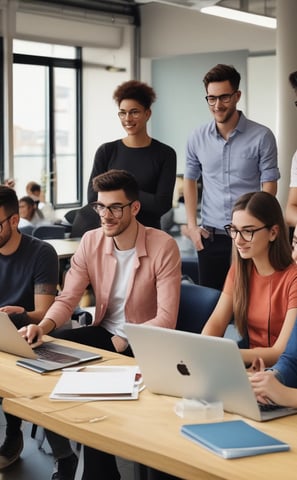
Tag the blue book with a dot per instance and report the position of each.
(233, 439)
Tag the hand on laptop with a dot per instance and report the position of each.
(257, 365)
(33, 335)
(10, 309)
(267, 388)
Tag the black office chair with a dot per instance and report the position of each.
(70, 215)
(196, 304)
(49, 232)
(27, 229)
(85, 219)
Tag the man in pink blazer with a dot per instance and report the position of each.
(135, 274)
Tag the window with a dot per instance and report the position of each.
(46, 120)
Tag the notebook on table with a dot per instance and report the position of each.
(47, 357)
(233, 439)
(191, 365)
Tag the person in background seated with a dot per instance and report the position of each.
(28, 285)
(29, 212)
(34, 191)
(261, 285)
(135, 273)
(151, 162)
(291, 208)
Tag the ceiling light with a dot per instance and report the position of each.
(240, 16)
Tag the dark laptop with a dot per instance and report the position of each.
(47, 357)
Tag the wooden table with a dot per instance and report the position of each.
(145, 430)
(65, 247)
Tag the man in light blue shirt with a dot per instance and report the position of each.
(232, 155)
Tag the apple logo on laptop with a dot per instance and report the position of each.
(182, 368)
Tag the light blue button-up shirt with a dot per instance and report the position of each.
(230, 168)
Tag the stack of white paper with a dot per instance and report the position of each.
(97, 383)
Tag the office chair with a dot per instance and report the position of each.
(190, 267)
(196, 304)
(49, 232)
(70, 215)
(27, 229)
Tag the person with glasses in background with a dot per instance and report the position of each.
(291, 207)
(232, 155)
(135, 274)
(151, 162)
(260, 290)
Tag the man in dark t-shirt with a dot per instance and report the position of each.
(28, 284)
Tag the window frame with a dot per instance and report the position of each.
(51, 63)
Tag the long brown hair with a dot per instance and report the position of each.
(264, 207)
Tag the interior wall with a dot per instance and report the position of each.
(100, 120)
(181, 45)
(170, 31)
(261, 90)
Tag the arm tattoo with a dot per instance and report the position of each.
(45, 289)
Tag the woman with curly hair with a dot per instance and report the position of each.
(151, 162)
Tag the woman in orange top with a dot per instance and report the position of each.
(260, 290)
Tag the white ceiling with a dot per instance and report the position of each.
(260, 7)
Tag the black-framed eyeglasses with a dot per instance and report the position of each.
(224, 98)
(3, 221)
(133, 113)
(115, 210)
(295, 103)
(246, 234)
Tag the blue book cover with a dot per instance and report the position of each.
(233, 439)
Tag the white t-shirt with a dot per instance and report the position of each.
(293, 182)
(115, 315)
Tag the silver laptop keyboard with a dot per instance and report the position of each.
(47, 354)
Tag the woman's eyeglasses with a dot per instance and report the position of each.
(246, 234)
(133, 113)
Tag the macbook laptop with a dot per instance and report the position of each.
(190, 365)
(47, 357)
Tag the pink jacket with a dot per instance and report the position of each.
(154, 288)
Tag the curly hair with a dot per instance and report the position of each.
(135, 90)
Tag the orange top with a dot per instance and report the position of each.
(270, 298)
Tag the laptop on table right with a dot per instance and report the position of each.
(190, 365)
